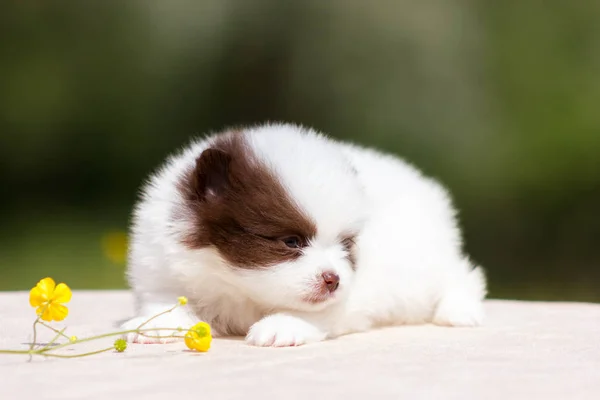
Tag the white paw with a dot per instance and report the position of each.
(459, 312)
(281, 330)
(152, 334)
(462, 302)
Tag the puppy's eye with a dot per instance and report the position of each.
(348, 243)
(293, 242)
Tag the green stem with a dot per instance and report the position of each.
(16, 352)
(46, 354)
(162, 337)
(77, 355)
(34, 340)
(50, 343)
(158, 315)
(105, 335)
(37, 320)
(54, 329)
(140, 331)
(44, 351)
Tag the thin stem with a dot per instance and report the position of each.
(54, 329)
(105, 335)
(50, 343)
(162, 337)
(33, 341)
(44, 351)
(77, 355)
(46, 354)
(16, 352)
(158, 315)
(37, 320)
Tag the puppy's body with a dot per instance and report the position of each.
(288, 237)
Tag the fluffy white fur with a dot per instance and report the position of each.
(410, 264)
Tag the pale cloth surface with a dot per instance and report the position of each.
(526, 350)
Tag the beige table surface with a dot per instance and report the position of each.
(526, 350)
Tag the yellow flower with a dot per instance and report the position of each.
(182, 300)
(114, 246)
(73, 339)
(120, 345)
(47, 297)
(198, 337)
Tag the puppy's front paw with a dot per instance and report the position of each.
(282, 330)
(459, 312)
(152, 332)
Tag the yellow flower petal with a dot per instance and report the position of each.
(203, 344)
(115, 246)
(47, 286)
(62, 294)
(189, 339)
(46, 296)
(182, 300)
(47, 315)
(198, 344)
(37, 297)
(198, 337)
(58, 312)
(41, 292)
(38, 311)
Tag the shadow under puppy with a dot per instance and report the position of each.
(285, 236)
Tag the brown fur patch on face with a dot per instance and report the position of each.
(239, 206)
(349, 243)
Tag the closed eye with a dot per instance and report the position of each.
(348, 242)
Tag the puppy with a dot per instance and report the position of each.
(285, 236)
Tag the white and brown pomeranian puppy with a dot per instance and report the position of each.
(287, 237)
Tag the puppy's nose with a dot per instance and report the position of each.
(332, 280)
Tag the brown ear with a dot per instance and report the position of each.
(211, 176)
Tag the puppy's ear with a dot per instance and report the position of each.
(211, 176)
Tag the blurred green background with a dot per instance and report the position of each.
(498, 99)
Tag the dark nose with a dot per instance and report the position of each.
(332, 280)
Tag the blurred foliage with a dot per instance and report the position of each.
(496, 99)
